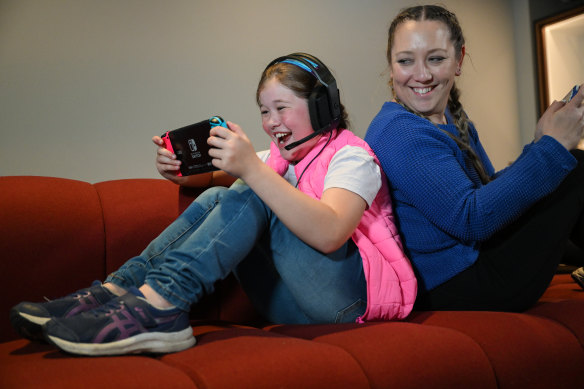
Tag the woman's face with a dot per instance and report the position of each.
(423, 66)
(285, 118)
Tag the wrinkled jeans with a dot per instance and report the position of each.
(232, 230)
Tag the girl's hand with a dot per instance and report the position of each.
(563, 121)
(166, 163)
(232, 150)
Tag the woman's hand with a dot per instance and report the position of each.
(563, 121)
(232, 150)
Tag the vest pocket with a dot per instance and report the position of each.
(352, 312)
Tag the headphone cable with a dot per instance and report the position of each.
(316, 156)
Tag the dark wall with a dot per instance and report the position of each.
(541, 9)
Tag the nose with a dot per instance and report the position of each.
(421, 72)
(273, 120)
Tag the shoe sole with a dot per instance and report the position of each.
(28, 326)
(150, 342)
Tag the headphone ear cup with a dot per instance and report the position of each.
(319, 108)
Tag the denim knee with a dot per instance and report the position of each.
(211, 195)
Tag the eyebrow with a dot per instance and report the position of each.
(431, 51)
(278, 101)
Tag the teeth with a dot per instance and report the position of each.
(280, 136)
(422, 91)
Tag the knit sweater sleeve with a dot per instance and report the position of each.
(427, 171)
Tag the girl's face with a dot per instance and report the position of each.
(285, 118)
(423, 66)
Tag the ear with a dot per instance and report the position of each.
(459, 65)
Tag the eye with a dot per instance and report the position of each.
(436, 59)
(405, 61)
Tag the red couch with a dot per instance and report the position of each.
(58, 235)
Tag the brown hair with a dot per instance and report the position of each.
(461, 120)
(299, 81)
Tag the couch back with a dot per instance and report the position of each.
(58, 235)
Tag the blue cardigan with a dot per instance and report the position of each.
(443, 210)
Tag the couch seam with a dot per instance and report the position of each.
(104, 239)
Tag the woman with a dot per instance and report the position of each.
(477, 239)
(307, 230)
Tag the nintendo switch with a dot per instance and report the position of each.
(189, 144)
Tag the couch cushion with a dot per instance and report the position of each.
(569, 313)
(563, 287)
(405, 355)
(240, 357)
(51, 240)
(33, 365)
(135, 211)
(525, 351)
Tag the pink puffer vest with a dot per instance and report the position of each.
(391, 283)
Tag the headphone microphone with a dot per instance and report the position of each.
(303, 140)
(324, 104)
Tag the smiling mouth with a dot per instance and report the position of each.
(423, 91)
(282, 137)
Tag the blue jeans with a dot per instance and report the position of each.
(232, 230)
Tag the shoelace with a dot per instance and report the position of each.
(109, 308)
(75, 295)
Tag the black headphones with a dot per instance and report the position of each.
(324, 103)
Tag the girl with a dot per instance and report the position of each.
(478, 240)
(307, 230)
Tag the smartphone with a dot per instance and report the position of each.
(571, 94)
(189, 144)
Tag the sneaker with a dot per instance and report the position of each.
(578, 276)
(125, 325)
(28, 318)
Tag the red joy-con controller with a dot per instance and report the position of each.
(168, 146)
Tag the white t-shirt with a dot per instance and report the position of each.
(352, 168)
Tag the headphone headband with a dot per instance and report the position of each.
(309, 63)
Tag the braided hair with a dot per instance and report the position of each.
(461, 120)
